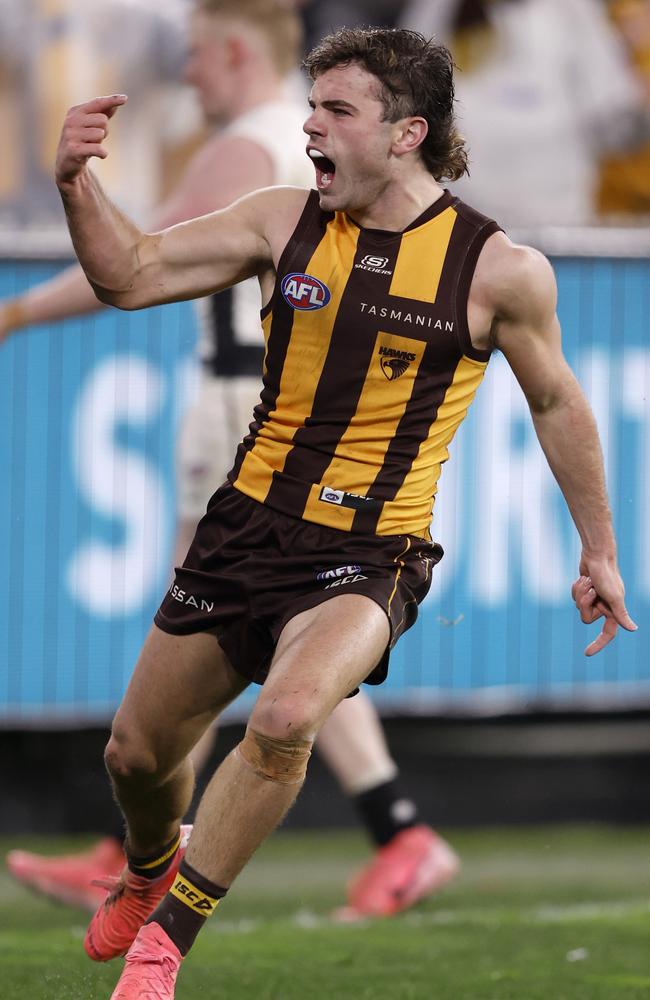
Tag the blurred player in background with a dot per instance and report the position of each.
(241, 52)
(537, 108)
(53, 53)
(624, 187)
(327, 432)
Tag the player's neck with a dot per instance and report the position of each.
(399, 204)
(255, 91)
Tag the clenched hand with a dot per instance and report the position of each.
(84, 130)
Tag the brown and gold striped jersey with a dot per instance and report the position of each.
(369, 369)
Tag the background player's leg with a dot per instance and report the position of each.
(412, 860)
(353, 745)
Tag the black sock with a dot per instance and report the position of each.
(156, 864)
(386, 811)
(183, 911)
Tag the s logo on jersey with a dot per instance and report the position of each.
(304, 292)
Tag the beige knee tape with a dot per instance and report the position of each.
(284, 761)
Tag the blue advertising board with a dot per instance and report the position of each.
(88, 417)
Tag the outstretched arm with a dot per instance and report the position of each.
(131, 269)
(528, 333)
(67, 294)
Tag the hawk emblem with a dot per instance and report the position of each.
(393, 367)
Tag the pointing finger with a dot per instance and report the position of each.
(608, 632)
(105, 105)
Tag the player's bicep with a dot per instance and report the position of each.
(212, 252)
(528, 332)
(204, 255)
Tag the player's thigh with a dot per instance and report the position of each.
(321, 656)
(179, 685)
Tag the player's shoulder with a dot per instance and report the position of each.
(504, 266)
(274, 211)
(515, 279)
(281, 198)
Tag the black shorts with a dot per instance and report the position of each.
(250, 569)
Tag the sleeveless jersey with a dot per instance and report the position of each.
(231, 343)
(369, 369)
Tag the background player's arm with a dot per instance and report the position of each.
(527, 331)
(131, 269)
(223, 170)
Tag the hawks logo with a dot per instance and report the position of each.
(393, 367)
(304, 292)
(394, 363)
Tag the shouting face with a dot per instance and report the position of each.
(350, 144)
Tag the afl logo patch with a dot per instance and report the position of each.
(303, 291)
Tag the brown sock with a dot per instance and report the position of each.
(183, 912)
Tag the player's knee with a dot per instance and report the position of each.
(129, 760)
(275, 759)
(285, 716)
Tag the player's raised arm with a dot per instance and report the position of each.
(528, 333)
(131, 269)
(222, 171)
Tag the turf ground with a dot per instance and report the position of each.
(550, 914)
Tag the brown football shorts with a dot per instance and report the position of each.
(250, 569)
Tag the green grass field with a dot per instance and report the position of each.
(550, 914)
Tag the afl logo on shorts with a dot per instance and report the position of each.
(303, 291)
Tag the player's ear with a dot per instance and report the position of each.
(410, 133)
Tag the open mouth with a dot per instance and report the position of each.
(325, 168)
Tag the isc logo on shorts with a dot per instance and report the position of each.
(303, 291)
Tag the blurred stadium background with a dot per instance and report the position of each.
(493, 712)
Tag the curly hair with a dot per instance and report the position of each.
(416, 78)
